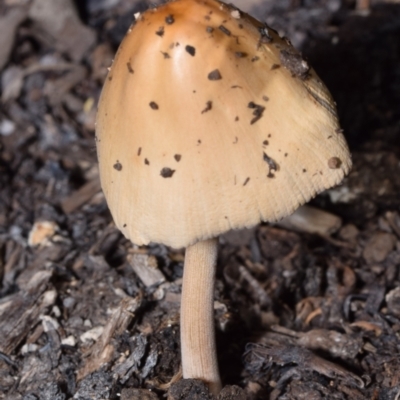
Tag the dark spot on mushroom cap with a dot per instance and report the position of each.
(146, 161)
(209, 29)
(191, 50)
(265, 142)
(198, 142)
(272, 166)
(265, 98)
(110, 78)
(275, 66)
(129, 66)
(153, 105)
(124, 226)
(208, 107)
(160, 31)
(255, 58)
(304, 170)
(265, 35)
(169, 19)
(236, 118)
(166, 55)
(214, 75)
(293, 61)
(334, 163)
(246, 181)
(139, 151)
(177, 157)
(240, 54)
(286, 154)
(167, 172)
(117, 166)
(258, 111)
(224, 30)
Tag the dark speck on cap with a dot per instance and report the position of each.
(293, 61)
(208, 107)
(167, 172)
(258, 111)
(334, 163)
(272, 166)
(117, 166)
(265, 36)
(224, 30)
(214, 75)
(160, 31)
(169, 19)
(240, 54)
(129, 66)
(153, 105)
(191, 50)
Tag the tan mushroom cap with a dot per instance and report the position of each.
(209, 121)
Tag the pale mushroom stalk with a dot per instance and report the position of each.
(199, 360)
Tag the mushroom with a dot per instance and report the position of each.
(209, 121)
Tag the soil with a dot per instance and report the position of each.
(84, 314)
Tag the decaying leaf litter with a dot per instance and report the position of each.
(84, 314)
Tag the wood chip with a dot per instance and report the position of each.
(311, 220)
(146, 269)
(21, 311)
(81, 196)
(103, 350)
(8, 26)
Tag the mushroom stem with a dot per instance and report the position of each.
(199, 357)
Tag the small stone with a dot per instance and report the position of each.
(393, 302)
(378, 247)
(41, 233)
(7, 127)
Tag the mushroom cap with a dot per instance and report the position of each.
(209, 121)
